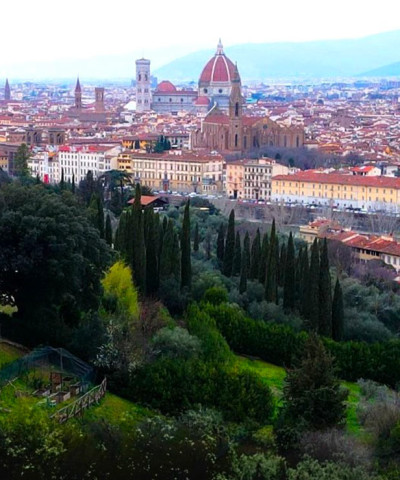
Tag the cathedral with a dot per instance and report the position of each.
(225, 127)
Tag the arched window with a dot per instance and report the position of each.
(236, 109)
(297, 141)
(140, 77)
(236, 139)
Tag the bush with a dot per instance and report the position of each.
(216, 295)
(174, 342)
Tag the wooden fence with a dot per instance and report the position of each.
(82, 403)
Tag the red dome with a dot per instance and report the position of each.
(218, 69)
(166, 87)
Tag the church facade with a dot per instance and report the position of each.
(226, 128)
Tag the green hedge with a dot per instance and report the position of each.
(280, 344)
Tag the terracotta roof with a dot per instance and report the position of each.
(335, 178)
(147, 200)
(218, 69)
(165, 87)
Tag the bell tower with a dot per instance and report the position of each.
(7, 91)
(235, 113)
(143, 92)
(78, 95)
(99, 99)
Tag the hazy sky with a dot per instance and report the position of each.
(44, 30)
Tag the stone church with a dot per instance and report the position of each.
(225, 128)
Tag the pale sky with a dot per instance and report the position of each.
(44, 30)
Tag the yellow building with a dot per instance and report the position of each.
(175, 171)
(348, 191)
(234, 182)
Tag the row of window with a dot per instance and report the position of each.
(332, 187)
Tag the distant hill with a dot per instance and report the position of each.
(391, 70)
(319, 59)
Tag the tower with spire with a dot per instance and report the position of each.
(235, 113)
(78, 95)
(143, 91)
(7, 91)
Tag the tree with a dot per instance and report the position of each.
(272, 266)
(289, 291)
(21, 161)
(186, 266)
(337, 313)
(196, 238)
(108, 231)
(255, 256)
(151, 239)
(237, 258)
(263, 259)
(312, 307)
(136, 238)
(325, 294)
(229, 246)
(245, 262)
(73, 184)
(62, 182)
(96, 213)
(221, 243)
(51, 260)
(312, 393)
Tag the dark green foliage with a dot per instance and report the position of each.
(62, 182)
(271, 282)
(255, 256)
(96, 213)
(108, 231)
(337, 313)
(151, 241)
(245, 264)
(304, 282)
(229, 251)
(207, 244)
(282, 265)
(289, 291)
(137, 242)
(263, 259)
(325, 294)
(312, 306)
(237, 258)
(196, 240)
(312, 391)
(87, 188)
(73, 184)
(167, 253)
(186, 264)
(21, 161)
(51, 261)
(221, 243)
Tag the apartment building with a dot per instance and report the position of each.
(175, 170)
(348, 191)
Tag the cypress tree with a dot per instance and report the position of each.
(176, 258)
(151, 254)
(246, 254)
(282, 265)
(73, 183)
(289, 290)
(313, 289)
(337, 313)
(196, 238)
(255, 256)
(138, 243)
(263, 259)
(304, 279)
(108, 231)
(221, 243)
(186, 266)
(229, 246)
(271, 276)
(165, 223)
(62, 182)
(237, 259)
(325, 293)
(100, 215)
(245, 263)
(166, 257)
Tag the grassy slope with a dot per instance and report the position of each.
(274, 376)
(9, 353)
